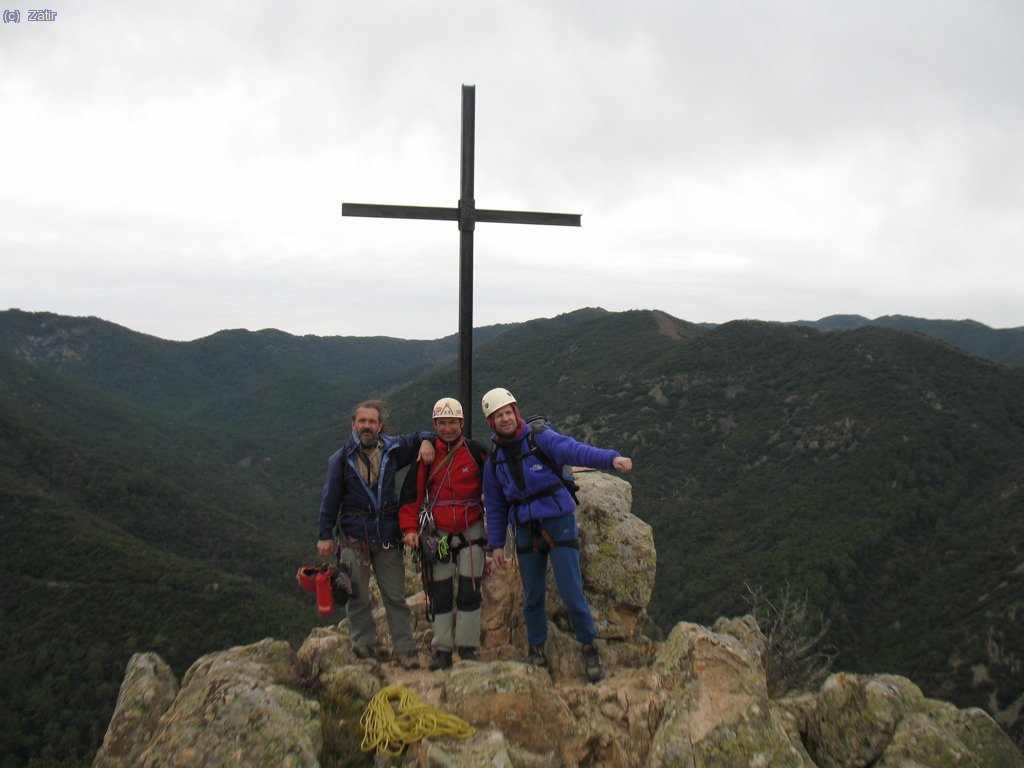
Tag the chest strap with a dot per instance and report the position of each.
(548, 490)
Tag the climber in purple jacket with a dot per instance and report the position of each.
(522, 487)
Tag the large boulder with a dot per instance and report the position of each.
(718, 712)
(242, 706)
(148, 690)
(885, 721)
(518, 700)
(617, 553)
(856, 717)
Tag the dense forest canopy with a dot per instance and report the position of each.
(159, 495)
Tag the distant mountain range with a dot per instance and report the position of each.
(159, 495)
(1000, 345)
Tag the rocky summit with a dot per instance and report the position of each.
(697, 698)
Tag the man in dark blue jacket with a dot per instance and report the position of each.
(522, 488)
(359, 498)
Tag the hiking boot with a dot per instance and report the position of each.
(441, 660)
(467, 653)
(536, 656)
(592, 661)
(409, 660)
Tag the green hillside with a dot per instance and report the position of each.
(100, 561)
(877, 470)
(1000, 345)
(177, 482)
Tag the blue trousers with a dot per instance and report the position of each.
(565, 563)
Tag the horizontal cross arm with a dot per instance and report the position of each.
(452, 214)
(400, 211)
(528, 217)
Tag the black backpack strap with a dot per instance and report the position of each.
(479, 452)
(345, 453)
(548, 490)
(514, 463)
(409, 489)
(546, 460)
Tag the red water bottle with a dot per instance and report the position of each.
(324, 592)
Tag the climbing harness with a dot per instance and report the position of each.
(389, 731)
(426, 553)
(539, 536)
(436, 546)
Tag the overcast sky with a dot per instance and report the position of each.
(179, 168)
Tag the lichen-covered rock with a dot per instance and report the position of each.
(884, 721)
(919, 740)
(856, 716)
(148, 690)
(616, 718)
(488, 748)
(501, 615)
(801, 708)
(941, 735)
(518, 700)
(718, 674)
(979, 733)
(719, 713)
(243, 706)
(761, 735)
(325, 649)
(744, 629)
(617, 555)
(333, 669)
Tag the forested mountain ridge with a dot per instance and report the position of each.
(1000, 345)
(159, 495)
(100, 560)
(879, 471)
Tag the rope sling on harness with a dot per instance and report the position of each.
(390, 732)
(436, 546)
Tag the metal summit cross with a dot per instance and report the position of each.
(466, 214)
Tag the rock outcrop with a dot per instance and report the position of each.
(697, 698)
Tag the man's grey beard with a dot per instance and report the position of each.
(367, 441)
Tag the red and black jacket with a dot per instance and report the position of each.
(454, 486)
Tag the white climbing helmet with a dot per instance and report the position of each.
(447, 408)
(495, 399)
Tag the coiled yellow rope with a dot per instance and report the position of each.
(390, 732)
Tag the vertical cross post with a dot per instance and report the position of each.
(466, 214)
(467, 223)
